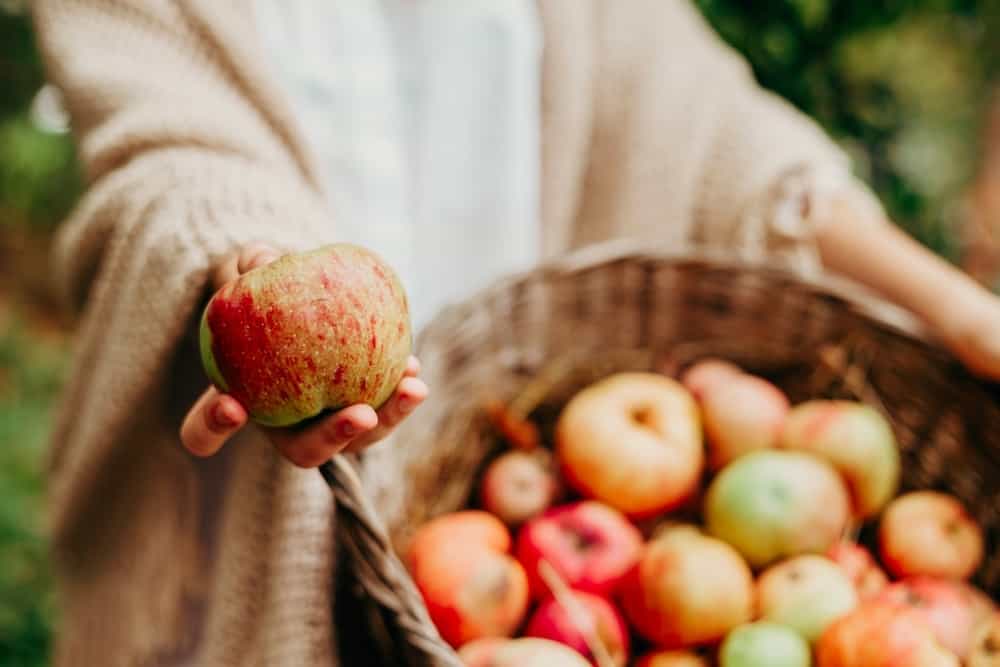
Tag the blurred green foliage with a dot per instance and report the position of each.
(900, 83)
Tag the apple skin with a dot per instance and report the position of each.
(308, 333)
(952, 609)
(741, 413)
(930, 533)
(633, 441)
(523, 652)
(472, 587)
(764, 644)
(860, 567)
(705, 374)
(985, 648)
(856, 440)
(518, 485)
(771, 504)
(881, 634)
(688, 589)
(552, 621)
(670, 658)
(590, 545)
(805, 593)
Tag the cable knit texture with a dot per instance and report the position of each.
(651, 129)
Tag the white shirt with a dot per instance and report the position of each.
(424, 115)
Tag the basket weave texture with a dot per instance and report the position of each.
(612, 308)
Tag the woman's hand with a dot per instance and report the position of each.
(215, 416)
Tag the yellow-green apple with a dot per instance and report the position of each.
(856, 440)
(985, 649)
(523, 652)
(589, 545)
(859, 566)
(519, 485)
(880, 633)
(764, 644)
(741, 413)
(952, 609)
(929, 532)
(472, 586)
(670, 658)
(771, 504)
(593, 615)
(703, 375)
(308, 333)
(805, 593)
(633, 441)
(687, 589)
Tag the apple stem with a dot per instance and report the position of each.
(577, 614)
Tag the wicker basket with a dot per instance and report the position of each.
(612, 308)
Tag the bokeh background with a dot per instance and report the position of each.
(908, 87)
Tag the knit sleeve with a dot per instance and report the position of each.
(769, 172)
(184, 163)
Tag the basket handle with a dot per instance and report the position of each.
(378, 569)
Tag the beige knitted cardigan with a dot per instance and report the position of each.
(651, 129)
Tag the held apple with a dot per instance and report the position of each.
(881, 634)
(856, 440)
(518, 486)
(472, 587)
(952, 609)
(672, 659)
(553, 621)
(633, 441)
(805, 593)
(764, 644)
(859, 566)
(525, 652)
(985, 649)
(590, 545)
(742, 413)
(687, 589)
(306, 333)
(927, 532)
(770, 504)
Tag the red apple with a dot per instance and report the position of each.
(472, 587)
(771, 503)
(927, 532)
(859, 566)
(633, 441)
(518, 485)
(952, 609)
(881, 634)
(742, 413)
(525, 652)
(590, 545)
(601, 620)
(856, 440)
(805, 593)
(687, 589)
(706, 373)
(985, 649)
(669, 658)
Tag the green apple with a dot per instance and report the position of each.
(764, 644)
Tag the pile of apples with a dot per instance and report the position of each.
(706, 521)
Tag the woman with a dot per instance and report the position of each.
(462, 139)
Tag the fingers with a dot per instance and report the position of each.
(212, 420)
(412, 367)
(248, 257)
(410, 393)
(321, 441)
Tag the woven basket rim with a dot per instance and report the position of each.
(854, 295)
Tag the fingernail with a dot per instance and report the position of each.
(348, 430)
(224, 417)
